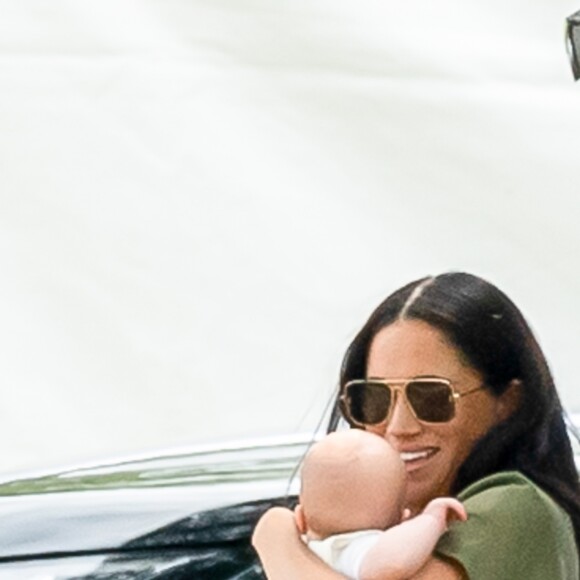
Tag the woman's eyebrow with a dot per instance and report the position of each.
(426, 376)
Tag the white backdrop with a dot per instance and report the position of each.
(202, 200)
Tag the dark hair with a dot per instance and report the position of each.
(490, 331)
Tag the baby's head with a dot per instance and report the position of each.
(351, 480)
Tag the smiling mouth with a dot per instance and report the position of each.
(417, 458)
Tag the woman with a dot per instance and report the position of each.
(448, 371)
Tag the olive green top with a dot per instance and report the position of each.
(514, 531)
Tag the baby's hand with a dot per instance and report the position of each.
(446, 510)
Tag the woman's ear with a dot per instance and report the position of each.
(300, 519)
(509, 400)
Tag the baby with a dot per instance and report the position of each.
(351, 509)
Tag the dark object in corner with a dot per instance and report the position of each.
(573, 42)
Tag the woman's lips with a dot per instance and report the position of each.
(417, 457)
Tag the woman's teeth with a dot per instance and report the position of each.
(414, 455)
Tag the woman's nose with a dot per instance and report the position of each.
(402, 421)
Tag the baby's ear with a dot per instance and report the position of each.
(300, 519)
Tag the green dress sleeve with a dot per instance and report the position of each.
(514, 531)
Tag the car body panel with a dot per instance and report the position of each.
(177, 501)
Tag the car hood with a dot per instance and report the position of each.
(172, 499)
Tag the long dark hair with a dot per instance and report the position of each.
(490, 331)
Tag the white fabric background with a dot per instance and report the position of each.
(202, 200)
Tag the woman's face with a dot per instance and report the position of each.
(432, 453)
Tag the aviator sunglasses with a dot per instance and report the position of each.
(371, 401)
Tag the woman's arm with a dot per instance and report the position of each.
(282, 552)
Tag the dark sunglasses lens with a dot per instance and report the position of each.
(368, 403)
(432, 401)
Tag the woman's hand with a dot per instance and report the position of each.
(283, 554)
(275, 538)
(274, 529)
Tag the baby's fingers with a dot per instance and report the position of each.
(447, 508)
(455, 511)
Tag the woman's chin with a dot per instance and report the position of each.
(423, 485)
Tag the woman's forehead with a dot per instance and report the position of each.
(410, 348)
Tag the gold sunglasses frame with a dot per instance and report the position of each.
(400, 385)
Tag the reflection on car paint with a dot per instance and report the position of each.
(170, 517)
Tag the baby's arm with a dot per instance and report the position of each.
(401, 551)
